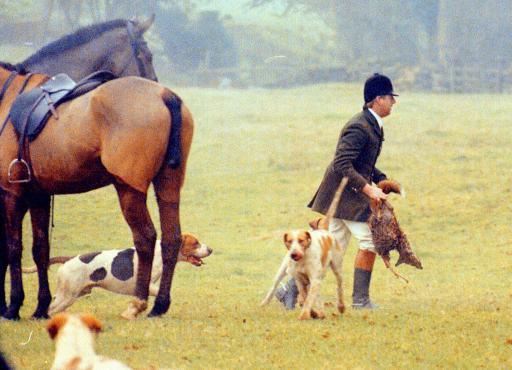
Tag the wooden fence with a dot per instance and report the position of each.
(435, 78)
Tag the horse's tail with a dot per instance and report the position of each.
(173, 156)
(53, 260)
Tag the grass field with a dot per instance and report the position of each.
(257, 159)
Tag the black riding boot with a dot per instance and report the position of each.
(361, 291)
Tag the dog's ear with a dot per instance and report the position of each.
(56, 323)
(390, 186)
(308, 234)
(91, 322)
(188, 239)
(285, 240)
(305, 239)
(314, 223)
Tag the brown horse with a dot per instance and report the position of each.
(116, 134)
(117, 46)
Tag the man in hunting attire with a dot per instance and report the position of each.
(358, 148)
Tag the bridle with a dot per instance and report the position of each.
(136, 49)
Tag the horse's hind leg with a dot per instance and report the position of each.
(3, 272)
(40, 216)
(135, 211)
(3, 256)
(167, 188)
(15, 209)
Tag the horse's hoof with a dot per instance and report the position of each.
(40, 316)
(3, 309)
(12, 315)
(160, 308)
(155, 313)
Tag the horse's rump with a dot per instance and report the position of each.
(119, 130)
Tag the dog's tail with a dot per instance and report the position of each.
(335, 200)
(53, 261)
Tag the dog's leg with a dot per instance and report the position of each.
(318, 311)
(153, 288)
(60, 304)
(281, 273)
(303, 289)
(336, 265)
(311, 298)
(66, 294)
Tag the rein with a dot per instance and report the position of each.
(134, 43)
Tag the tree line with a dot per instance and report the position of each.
(440, 33)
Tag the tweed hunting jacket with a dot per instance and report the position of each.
(358, 148)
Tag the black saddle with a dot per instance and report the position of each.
(31, 110)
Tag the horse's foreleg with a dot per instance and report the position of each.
(40, 216)
(15, 209)
(167, 189)
(136, 214)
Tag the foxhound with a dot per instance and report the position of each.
(113, 270)
(309, 255)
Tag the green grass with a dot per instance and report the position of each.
(257, 159)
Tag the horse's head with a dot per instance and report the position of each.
(135, 58)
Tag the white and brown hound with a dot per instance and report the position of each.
(309, 255)
(113, 270)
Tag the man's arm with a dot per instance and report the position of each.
(378, 175)
(350, 145)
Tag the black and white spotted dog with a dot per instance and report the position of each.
(113, 270)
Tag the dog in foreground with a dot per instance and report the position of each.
(309, 255)
(113, 270)
(74, 344)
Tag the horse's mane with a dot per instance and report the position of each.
(79, 37)
(11, 67)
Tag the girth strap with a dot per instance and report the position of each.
(7, 84)
(19, 160)
(4, 90)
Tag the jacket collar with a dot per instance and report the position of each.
(373, 122)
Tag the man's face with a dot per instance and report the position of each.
(384, 104)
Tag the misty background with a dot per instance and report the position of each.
(430, 45)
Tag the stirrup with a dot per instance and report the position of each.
(21, 162)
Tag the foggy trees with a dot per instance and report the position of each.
(196, 43)
(415, 31)
(191, 39)
(475, 32)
